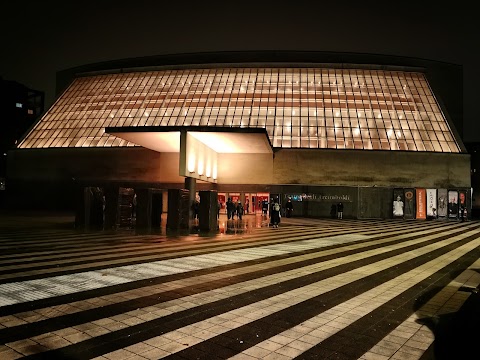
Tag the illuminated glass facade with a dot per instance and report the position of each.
(324, 108)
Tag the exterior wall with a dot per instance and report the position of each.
(371, 168)
(45, 177)
(95, 164)
(245, 168)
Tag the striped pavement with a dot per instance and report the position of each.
(311, 289)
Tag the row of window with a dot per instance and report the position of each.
(279, 141)
(398, 112)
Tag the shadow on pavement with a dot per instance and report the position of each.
(456, 333)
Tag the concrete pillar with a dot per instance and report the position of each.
(178, 209)
(207, 216)
(190, 185)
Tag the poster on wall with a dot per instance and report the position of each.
(442, 210)
(452, 204)
(398, 203)
(409, 206)
(462, 199)
(432, 203)
(421, 199)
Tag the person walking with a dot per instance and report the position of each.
(239, 210)
(289, 208)
(230, 208)
(340, 210)
(275, 214)
(264, 207)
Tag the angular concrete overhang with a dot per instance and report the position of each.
(220, 139)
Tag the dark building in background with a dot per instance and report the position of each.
(20, 107)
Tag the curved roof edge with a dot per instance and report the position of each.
(271, 57)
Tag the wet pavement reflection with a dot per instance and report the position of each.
(247, 224)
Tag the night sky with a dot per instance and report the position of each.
(40, 38)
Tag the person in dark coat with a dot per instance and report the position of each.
(340, 210)
(239, 210)
(196, 209)
(264, 207)
(289, 208)
(230, 208)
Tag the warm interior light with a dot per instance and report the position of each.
(208, 167)
(191, 163)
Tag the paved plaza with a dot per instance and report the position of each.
(310, 289)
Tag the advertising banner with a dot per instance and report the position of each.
(442, 210)
(453, 204)
(398, 203)
(409, 206)
(462, 199)
(421, 204)
(432, 203)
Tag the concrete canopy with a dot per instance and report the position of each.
(220, 139)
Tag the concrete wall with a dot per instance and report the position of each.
(245, 168)
(368, 168)
(309, 167)
(127, 164)
(45, 177)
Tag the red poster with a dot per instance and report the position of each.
(421, 204)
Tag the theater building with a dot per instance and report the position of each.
(363, 131)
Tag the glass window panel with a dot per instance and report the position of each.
(436, 146)
(307, 95)
(445, 147)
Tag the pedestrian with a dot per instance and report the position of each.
(289, 208)
(239, 210)
(219, 206)
(340, 210)
(230, 208)
(264, 207)
(275, 214)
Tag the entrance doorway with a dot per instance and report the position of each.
(259, 201)
(252, 202)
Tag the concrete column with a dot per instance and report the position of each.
(191, 185)
(207, 216)
(178, 209)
